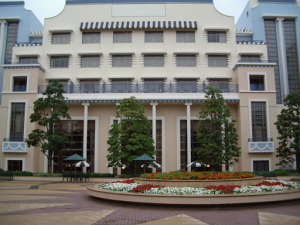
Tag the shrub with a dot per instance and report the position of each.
(22, 173)
(47, 174)
(265, 173)
(101, 175)
(281, 172)
(126, 176)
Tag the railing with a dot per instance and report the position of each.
(22, 44)
(144, 88)
(260, 139)
(261, 145)
(253, 61)
(14, 145)
(254, 42)
(14, 139)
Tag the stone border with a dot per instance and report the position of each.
(225, 199)
(200, 183)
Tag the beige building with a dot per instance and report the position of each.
(165, 54)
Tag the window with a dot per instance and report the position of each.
(186, 60)
(260, 165)
(67, 88)
(59, 62)
(217, 61)
(61, 38)
(186, 85)
(121, 60)
(185, 37)
(17, 119)
(90, 61)
(154, 36)
(121, 86)
(19, 84)
(153, 60)
(89, 86)
(250, 58)
(257, 82)
(91, 37)
(259, 121)
(122, 37)
(15, 165)
(216, 36)
(154, 86)
(28, 60)
(11, 40)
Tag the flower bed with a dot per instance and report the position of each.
(266, 186)
(183, 175)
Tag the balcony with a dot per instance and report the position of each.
(261, 145)
(143, 88)
(14, 145)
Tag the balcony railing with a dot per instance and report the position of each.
(261, 145)
(19, 88)
(144, 88)
(14, 145)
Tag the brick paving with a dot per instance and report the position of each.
(68, 203)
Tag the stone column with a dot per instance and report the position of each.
(85, 129)
(188, 127)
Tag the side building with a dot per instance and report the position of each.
(115, 50)
(16, 25)
(277, 22)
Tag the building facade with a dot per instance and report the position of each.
(277, 23)
(117, 49)
(16, 25)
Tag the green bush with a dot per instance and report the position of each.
(125, 176)
(281, 172)
(22, 173)
(47, 175)
(265, 173)
(101, 175)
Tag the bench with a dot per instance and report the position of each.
(6, 175)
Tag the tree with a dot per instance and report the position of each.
(216, 134)
(130, 137)
(47, 112)
(288, 126)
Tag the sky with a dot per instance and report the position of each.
(49, 8)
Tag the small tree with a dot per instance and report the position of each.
(130, 137)
(216, 133)
(47, 112)
(288, 126)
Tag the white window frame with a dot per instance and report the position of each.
(184, 57)
(93, 57)
(9, 116)
(14, 158)
(257, 74)
(122, 65)
(217, 37)
(59, 56)
(267, 114)
(12, 82)
(214, 55)
(261, 159)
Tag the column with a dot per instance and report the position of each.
(2, 37)
(282, 58)
(154, 104)
(85, 128)
(188, 127)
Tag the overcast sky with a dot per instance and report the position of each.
(48, 8)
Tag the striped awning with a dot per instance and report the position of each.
(139, 25)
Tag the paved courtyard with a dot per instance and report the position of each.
(24, 202)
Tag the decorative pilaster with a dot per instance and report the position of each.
(154, 104)
(85, 129)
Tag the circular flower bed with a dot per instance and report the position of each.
(266, 186)
(183, 175)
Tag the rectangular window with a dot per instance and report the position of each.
(121, 86)
(216, 36)
(90, 61)
(122, 37)
(260, 165)
(61, 38)
(154, 36)
(153, 86)
(257, 82)
(89, 86)
(186, 60)
(14, 165)
(153, 60)
(250, 58)
(221, 84)
(259, 121)
(59, 62)
(17, 119)
(28, 60)
(91, 37)
(11, 40)
(186, 85)
(217, 61)
(19, 84)
(121, 60)
(185, 36)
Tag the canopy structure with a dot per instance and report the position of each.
(151, 165)
(144, 158)
(196, 164)
(75, 157)
(82, 164)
